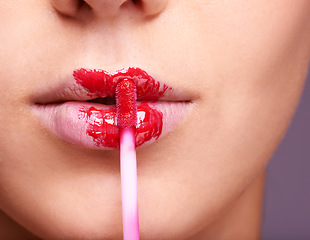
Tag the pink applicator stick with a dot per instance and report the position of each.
(126, 121)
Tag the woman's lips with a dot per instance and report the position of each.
(94, 125)
(75, 114)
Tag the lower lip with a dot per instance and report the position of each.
(94, 125)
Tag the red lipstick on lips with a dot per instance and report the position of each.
(101, 83)
(103, 123)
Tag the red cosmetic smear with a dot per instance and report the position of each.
(126, 104)
(149, 125)
(102, 125)
(102, 83)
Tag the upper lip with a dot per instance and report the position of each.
(75, 89)
(100, 83)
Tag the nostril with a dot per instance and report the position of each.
(149, 7)
(69, 8)
(136, 1)
(82, 4)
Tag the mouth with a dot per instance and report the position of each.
(82, 109)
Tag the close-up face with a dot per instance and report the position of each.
(230, 74)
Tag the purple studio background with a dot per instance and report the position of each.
(287, 195)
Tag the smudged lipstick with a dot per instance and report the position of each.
(101, 83)
(126, 81)
(102, 125)
(81, 109)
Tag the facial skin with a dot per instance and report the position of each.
(244, 62)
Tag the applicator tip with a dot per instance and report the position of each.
(126, 103)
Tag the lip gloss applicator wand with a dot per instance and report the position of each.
(126, 120)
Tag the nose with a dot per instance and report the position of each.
(108, 8)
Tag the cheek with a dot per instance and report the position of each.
(255, 65)
(249, 37)
(259, 56)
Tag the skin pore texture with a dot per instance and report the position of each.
(242, 63)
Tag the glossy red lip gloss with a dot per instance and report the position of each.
(77, 115)
(101, 83)
(103, 123)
